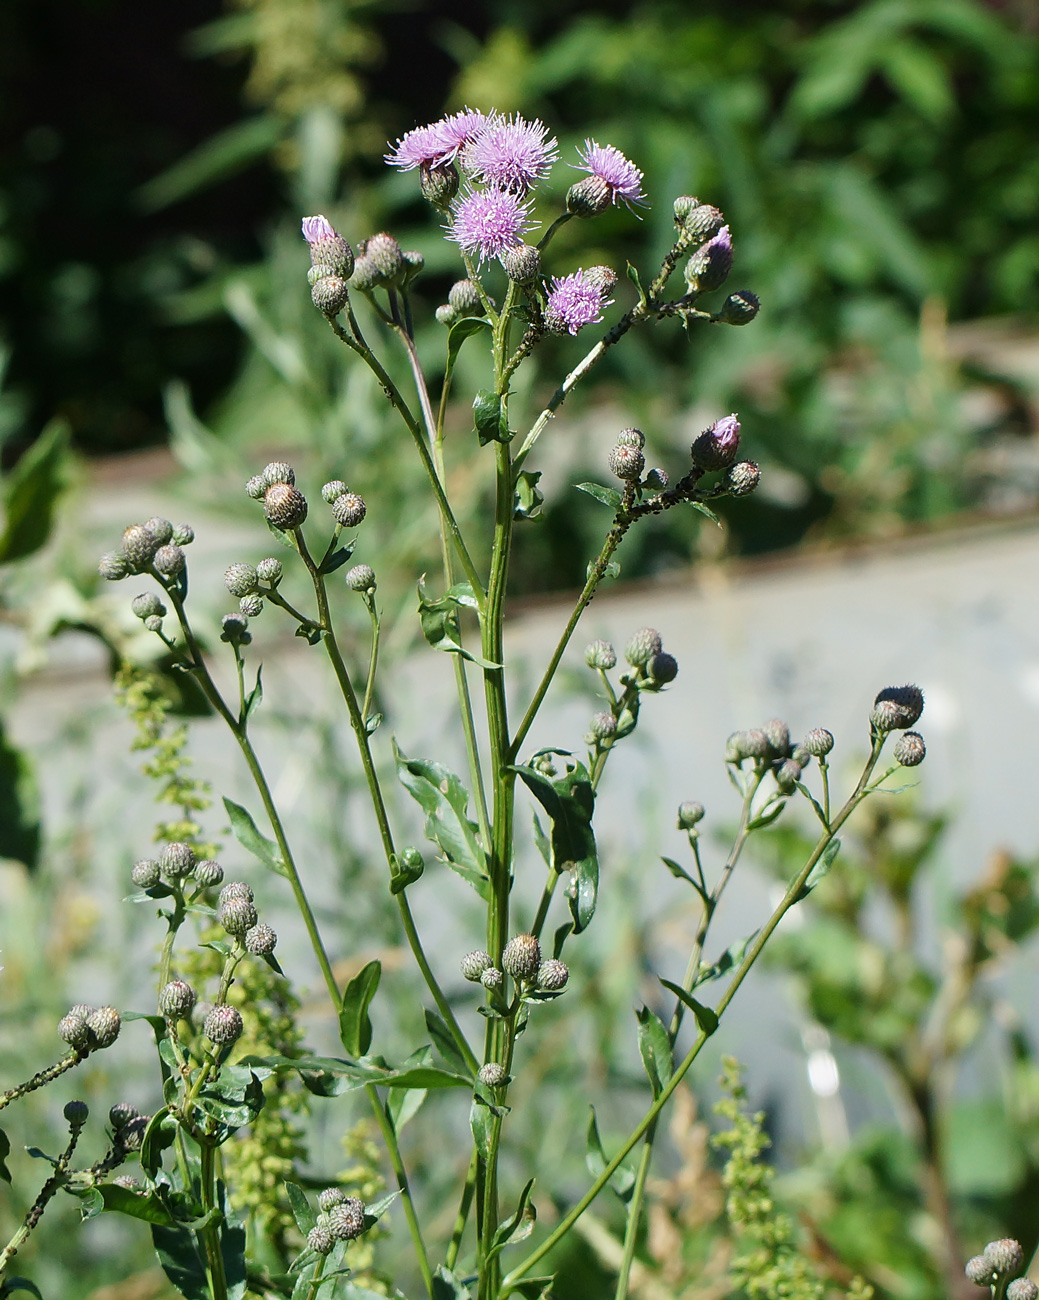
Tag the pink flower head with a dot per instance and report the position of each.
(511, 153)
(487, 222)
(419, 147)
(576, 300)
(717, 446)
(457, 130)
(727, 432)
(621, 177)
(318, 228)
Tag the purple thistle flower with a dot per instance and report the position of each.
(487, 222)
(576, 300)
(717, 446)
(416, 148)
(318, 228)
(511, 153)
(621, 177)
(456, 131)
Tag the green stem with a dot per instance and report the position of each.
(389, 1136)
(42, 1078)
(462, 1217)
(210, 1234)
(373, 660)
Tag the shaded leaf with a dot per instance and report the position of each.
(445, 801)
(5, 1151)
(300, 1206)
(607, 495)
(460, 331)
(31, 491)
(633, 276)
(529, 497)
(705, 1017)
(732, 956)
(12, 1284)
(655, 1049)
(448, 1287)
(439, 618)
(820, 869)
(569, 801)
(247, 835)
(490, 417)
(518, 1226)
(444, 1043)
(148, 1206)
(622, 1180)
(355, 1026)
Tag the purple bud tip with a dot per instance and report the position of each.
(727, 430)
(723, 240)
(315, 228)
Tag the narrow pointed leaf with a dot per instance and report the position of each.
(355, 1026)
(655, 1049)
(247, 835)
(705, 1017)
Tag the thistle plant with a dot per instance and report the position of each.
(482, 174)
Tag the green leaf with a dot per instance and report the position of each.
(920, 77)
(337, 559)
(300, 1206)
(459, 332)
(655, 1049)
(622, 1180)
(534, 1288)
(5, 1151)
(607, 495)
(518, 1226)
(247, 835)
(181, 1261)
(405, 868)
(569, 801)
(445, 801)
(440, 620)
(160, 1134)
(732, 956)
(490, 417)
(355, 1027)
(448, 1287)
(820, 869)
(377, 1209)
(12, 1284)
(225, 154)
(31, 491)
(706, 511)
(680, 873)
(444, 1043)
(481, 1121)
(705, 1017)
(230, 1102)
(148, 1206)
(529, 497)
(633, 276)
(365, 1071)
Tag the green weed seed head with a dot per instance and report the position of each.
(662, 668)
(446, 314)
(897, 707)
(439, 185)
(284, 505)
(329, 1198)
(237, 915)
(643, 646)
(132, 1136)
(177, 859)
(603, 726)
(256, 487)
(361, 578)
(234, 629)
(464, 298)
(103, 1026)
(76, 1113)
(818, 742)
(521, 264)
(278, 471)
(183, 535)
(169, 560)
(334, 489)
(113, 566)
(121, 1114)
(385, 255)
(474, 964)
(320, 1239)
(346, 1220)
(223, 1025)
(552, 975)
(160, 529)
(787, 775)
(979, 1271)
(696, 221)
(147, 605)
(657, 479)
(739, 308)
(689, 813)
(631, 438)
(600, 654)
(208, 873)
(743, 478)
(260, 940)
(236, 889)
(910, 750)
(366, 276)
(73, 1029)
(778, 734)
(146, 873)
(349, 510)
(177, 1000)
(1022, 1288)
(493, 1075)
(627, 463)
(330, 294)
(1006, 1255)
(139, 547)
(491, 978)
(251, 606)
(522, 957)
(270, 571)
(241, 579)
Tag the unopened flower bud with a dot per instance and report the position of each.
(327, 246)
(366, 276)
(778, 734)
(493, 1074)
(139, 547)
(240, 579)
(631, 438)
(237, 915)
(787, 775)
(600, 654)
(234, 629)
(522, 957)
(160, 529)
(169, 560)
(236, 889)
(146, 605)
(153, 623)
(689, 813)
(104, 1026)
(446, 314)
(320, 1239)
(643, 646)
(132, 1136)
(145, 874)
(755, 744)
(657, 479)
(177, 859)
(801, 756)
(183, 535)
(334, 489)
(251, 606)
(330, 295)
(474, 964)
(626, 462)
(330, 1197)
(910, 749)
(897, 707)
(361, 578)
(717, 446)
(76, 1113)
(603, 278)
(743, 478)
(121, 1114)
(663, 668)
(346, 1220)
(177, 1000)
(491, 978)
(464, 298)
(208, 873)
(284, 505)
(349, 510)
(260, 940)
(522, 264)
(223, 1025)
(1005, 1255)
(696, 221)
(256, 487)
(414, 262)
(739, 308)
(552, 975)
(710, 265)
(602, 727)
(269, 571)
(278, 471)
(818, 742)
(384, 253)
(588, 197)
(439, 185)
(113, 566)
(1022, 1288)
(74, 1030)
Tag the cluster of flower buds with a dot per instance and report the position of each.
(522, 960)
(283, 503)
(654, 667)
(627, 461)
(348, 509)
(237, 913)
(176, 865)
(463, 299)
(88, 1029)
(999, 1261)
(896, 708)
(128, 1126)
(770, 746)
(341, 1218)
(250, 583)
(155, 547)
